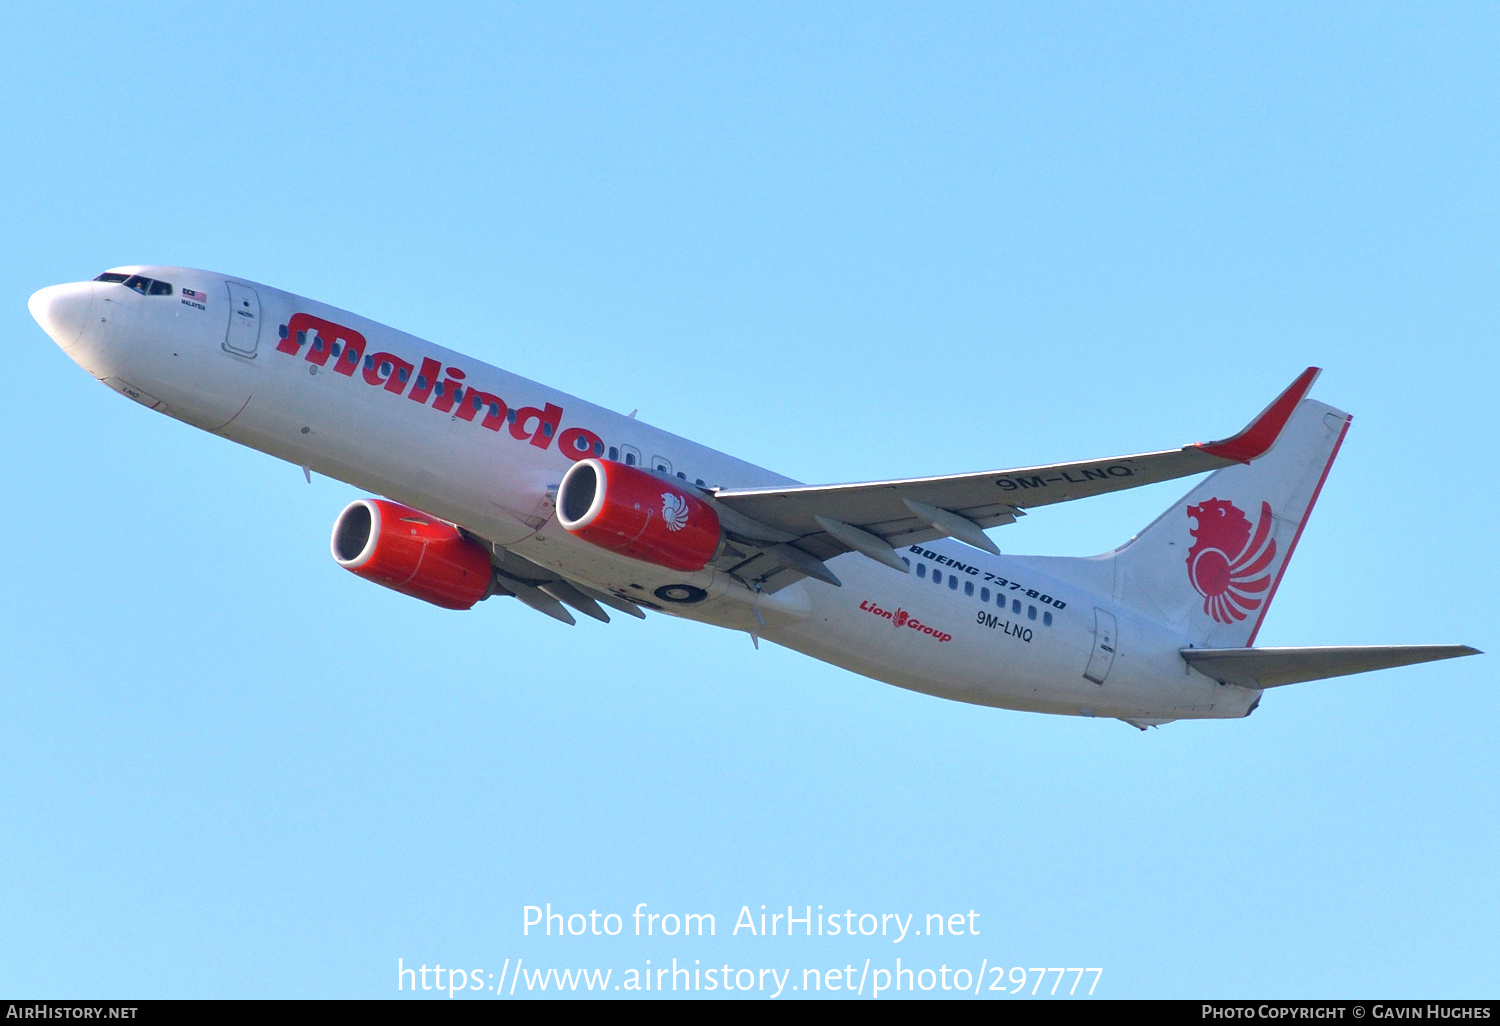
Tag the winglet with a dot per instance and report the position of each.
(1262, 432)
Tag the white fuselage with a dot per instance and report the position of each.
(213, 356)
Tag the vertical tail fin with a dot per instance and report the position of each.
(1212, 562)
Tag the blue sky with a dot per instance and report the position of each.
(842, 241)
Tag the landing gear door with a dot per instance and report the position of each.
(243, 334)
(1105, 639)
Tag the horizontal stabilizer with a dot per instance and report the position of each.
(1273, 667)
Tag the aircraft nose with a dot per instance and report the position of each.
(63, 310)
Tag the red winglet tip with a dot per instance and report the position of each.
(1261, 434)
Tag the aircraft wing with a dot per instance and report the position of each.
(547, 591)
(1273, 667)
(823, 521)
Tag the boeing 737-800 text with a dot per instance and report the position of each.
(493, 485)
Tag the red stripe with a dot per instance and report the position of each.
(1306, 516)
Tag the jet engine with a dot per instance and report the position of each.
(637, 514)
(408, 551)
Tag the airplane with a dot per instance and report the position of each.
(491, 485)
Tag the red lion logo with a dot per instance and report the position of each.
(1225, 559)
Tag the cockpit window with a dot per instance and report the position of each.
(145, 286)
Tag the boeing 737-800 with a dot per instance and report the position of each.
(493, 485)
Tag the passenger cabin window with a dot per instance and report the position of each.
(1003, 601)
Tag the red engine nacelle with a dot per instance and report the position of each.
(637, 514)
(408, 551)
